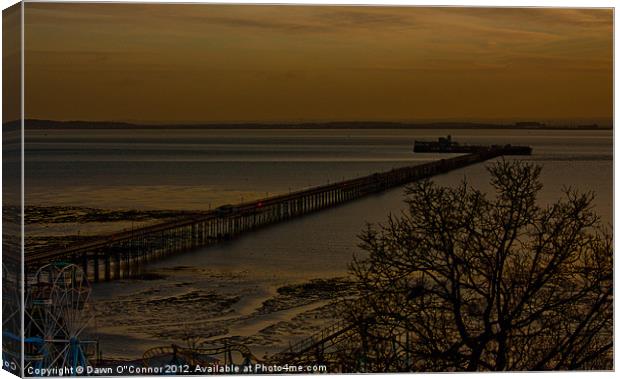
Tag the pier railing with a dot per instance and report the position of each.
(124, 254)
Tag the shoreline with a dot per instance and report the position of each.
(36, 124)
(266, 319)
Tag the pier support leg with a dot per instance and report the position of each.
(117, 265)
(96, 267)
(106, 262)
(85, 264)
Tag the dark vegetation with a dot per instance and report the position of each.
(466, 281)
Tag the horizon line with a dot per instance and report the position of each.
(422, 121)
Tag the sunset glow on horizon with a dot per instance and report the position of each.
(229, 63)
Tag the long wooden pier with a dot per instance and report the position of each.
(124, 254)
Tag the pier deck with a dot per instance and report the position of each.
(124, 254)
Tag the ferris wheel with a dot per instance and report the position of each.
(57, 312)
(11, 319)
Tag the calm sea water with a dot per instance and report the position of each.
(199, 169)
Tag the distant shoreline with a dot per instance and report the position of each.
(85, 125)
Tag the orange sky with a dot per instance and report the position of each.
(209, 63)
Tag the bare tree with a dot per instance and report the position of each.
(471, 281)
